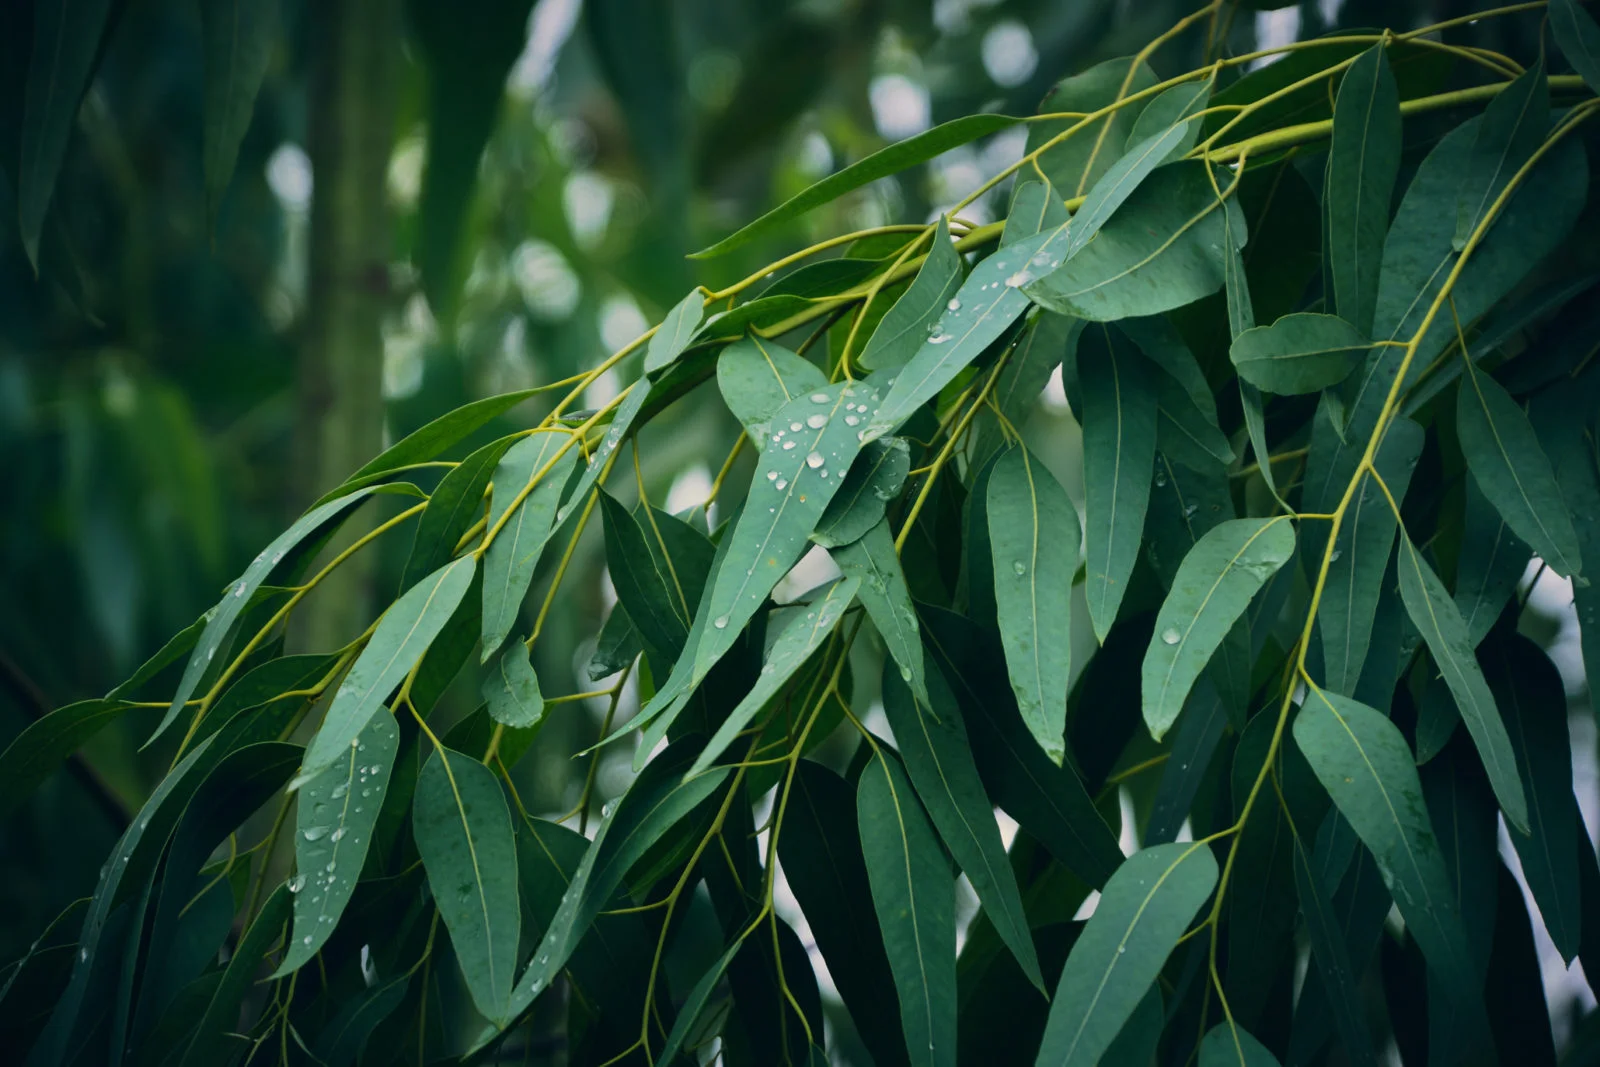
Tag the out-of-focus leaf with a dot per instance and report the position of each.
(513, 555)
(512, 691)
(1213, 586)
(1492, 561)
(903, 330)
(402, 636)
(238, 37)
(340, 1043)
(1230, 1046)
(1578, 38)
(453, 507)
(213, 1036)
(1513, 126)
(757, 377)
(334, 821)
(1119, 444)
(1300, 353)
(1144, 909)
(463, 832)
(1514, 992)
(1074, 165)
(1035, 207)
(874, 479)
(1435, 614)
(617, 645)
(913, 894)
(1363, 162)
(1161, 250)
(40, 749)
(1505, 458)
(1033, 545)
(880, 164)
(988, 301)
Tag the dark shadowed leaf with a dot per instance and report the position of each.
(874, 479)
(1363, 162)
(238, 36)
(1492, 561)
(872, 560)
(1578, 38)
(1513, 126)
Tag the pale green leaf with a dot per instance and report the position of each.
(511, 689)
(1578, 38)
(397, 644)
(674, 333)
(1180, 104)
(1033, 545)
(907, 324)
(1035, 207)
(1300, 353)
(1119, 445)
(757, 377)
(872, 559)
(1363, 162)
(874, 479)
(1075, 164)
(1118, 183)
(1505, 458)
(463, 833)
(1143, 911)
(1436, 616)
(913, 892)
(238, 37)
(1213, 586)
(528, 487)
(1513, 127)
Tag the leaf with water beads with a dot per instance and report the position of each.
(334, 822)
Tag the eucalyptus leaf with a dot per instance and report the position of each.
(511, 690)
(529, 484)
(674, 333)
(1514, 125)
(1363, 162)
(757, 377)
(1300, 353)
(874, 479)
(901, 333)
(881, 587)
(1578, 37)
(238, 37)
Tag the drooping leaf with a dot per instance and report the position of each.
(989, 301)
(1161, 250)
(695, 1003)
(1331, 957)
(1578, 38)
(1075, 164)
(647, 587)
(1175, 108)
(397, 644)
(1033, 544)
(905, 327)
(1035, 207)
(525, 511)
(1119, 443)
(511, 690)
(799, 636)
(1363, 162)
(463, 832)
(1212, 588)
(896, 157)
(616, 647)
(874, 479)
(1189, 761)
(334, 822)
(1362, 760)
(213, 1034)
(938, 758)
(1435, 615)
(46, 743)
(1049, 342)
(871, 559)
(1143, 911)
(238, 38)
(757, 377)
(1513, 126)
(341, 1042)
(454, 505)
(1300, 353)
(674, 333)
(913, 894)
(1231, 1046)
(1118, 183)
(1492, 561)
(1505, 459)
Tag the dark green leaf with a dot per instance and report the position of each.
(341, 1041)
(238, 37)
(880, 164)
(1213, 586)
(453, 507)
(1189, 761)
(1227, 1045)
(871, 559)
(40, 749)
(874, 479)
(1033, 544)
(906, 326)
(1513, 127)
(913, 893)
(674, 333)
(1578, 38)
(1363, 162)
(616, 647)
(1074, 165)
(1492, 561)
(213, 1039)
(757, 377)
(529, 484)
(512, 690)
(647, 587)
(694, 1004)
(1299, 353)
(463, 832)
(1332, 957)
(1145, 907)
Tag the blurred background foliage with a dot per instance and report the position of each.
(433, 202)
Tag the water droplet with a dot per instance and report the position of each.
(954, 305)
(1121, 949)
(772, 476)
(238, 590)
(1019, 279)
(297, 883)
(819, 398)
(83, 954)
(721, 622)
(814, 460)
(851, 420)
(339, 790)
(316, 833)
(338, 835)
(905, 674)
(816, 422)
(788, 445)
(1333, 557)
(332, 865)
(1161, 478)
(938, 339)
(1190, 510)
(1170, 636)
(781, 484)
(1019, 567)
(306, 940)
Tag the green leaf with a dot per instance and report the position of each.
(1074, 165)
(1492, 561)
(988, 301)
(616, 647)
(1035, 207)
(340, 1043)
(1143, 911)
(46, 743)
(1192, 749)
(1435, 614)
(463, 832)
(513, 555)
(880, 164)
(1228, 1045)
(872, 560)
(647, 587)
(512, 690)
(938, 757)
(1175, 108)
(805, 629)
(874, 479)
(1120, 180)
(1185, 431)
(1513, 127)
(1161, 250)
(1033, 545)
(1529, 693)
(757, 377)
(1332, 958)
(1213, 586)
(1300, 353)
(1363, 162)
(1119, 444)
(452, 508)
(67, 36)
(1360, 557)
(694, 1004)
(1505, 459)
(399, 641)
(238, 38)
(1046, 343)
(213, 1038)
(904, 329)
(1363, 762)
(1138, 1041)
(674, 333)
(334, 822)
(913, 894)
(820, 849)
(1578, 38)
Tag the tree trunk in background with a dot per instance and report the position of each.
(355, 53)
